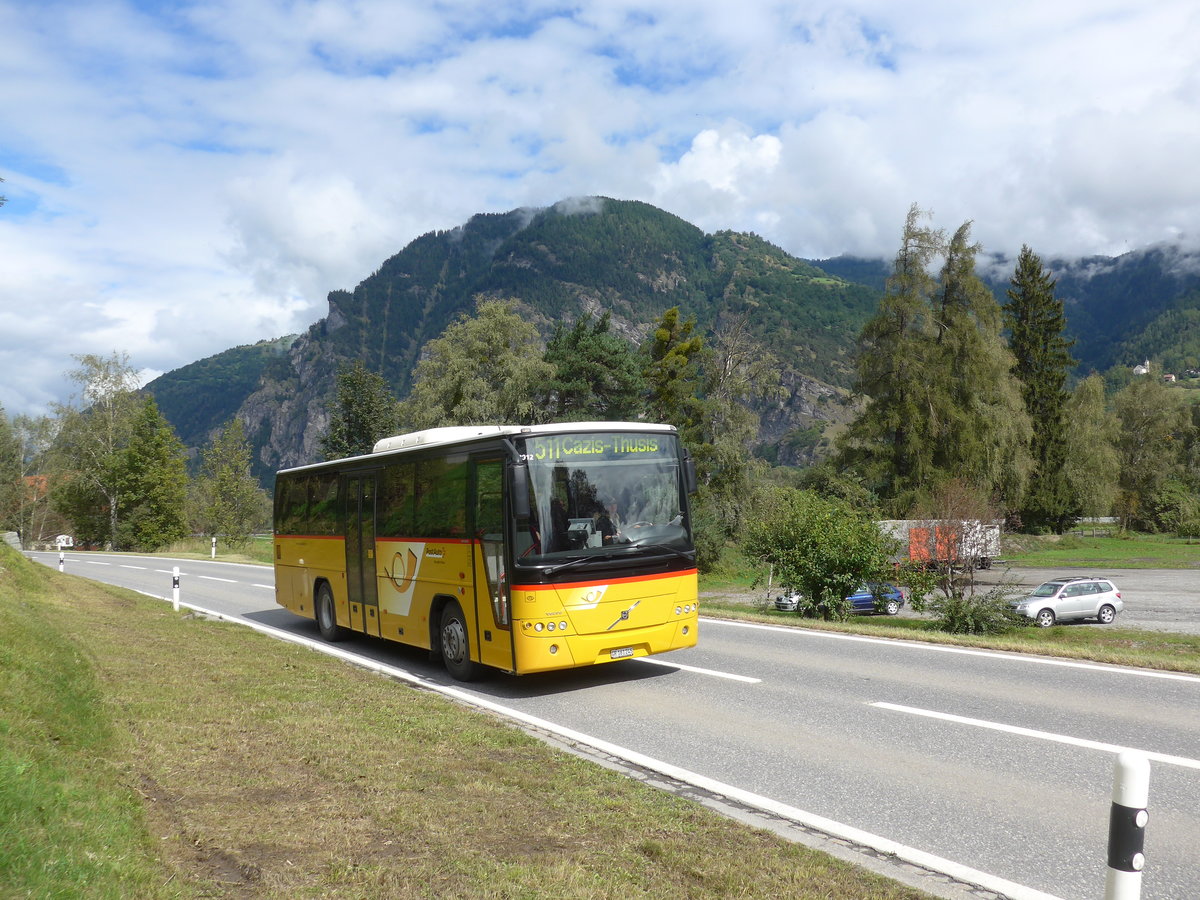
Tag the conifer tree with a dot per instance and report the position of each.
(672, 373)
(152, 477)
(1036, 324)
(597, 375)
(11, 487)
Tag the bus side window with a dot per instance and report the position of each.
(489, 501)
(441, 507)
(323, 508)
(396, 501)
(292, 503)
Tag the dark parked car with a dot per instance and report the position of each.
(891, 599)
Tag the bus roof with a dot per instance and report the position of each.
(456, 434)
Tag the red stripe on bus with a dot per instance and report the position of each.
(425, 540)
(580, 584)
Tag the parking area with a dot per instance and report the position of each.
(1155, 599)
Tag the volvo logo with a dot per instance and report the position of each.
(624, 616)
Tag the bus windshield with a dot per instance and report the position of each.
(593, 493)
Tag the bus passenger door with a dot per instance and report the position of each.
(492, 612)
(361, 588)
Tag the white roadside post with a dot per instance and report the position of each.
(62, 560)
(1127, 826)
(214, 547)
(175, 588)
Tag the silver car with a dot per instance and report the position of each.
(1075, 597)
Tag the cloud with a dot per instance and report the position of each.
(186, 177)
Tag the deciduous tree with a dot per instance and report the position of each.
(92, 438)
(364, 411)
(486, 368)
(1090, 447)
(1150, 423)
(229, 501)
(822, 547)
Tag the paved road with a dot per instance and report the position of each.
(999, 762)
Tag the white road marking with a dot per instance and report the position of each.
(140, 568)
(214, 578)
(713, 672)
(268, 587)
(1011, 656)
(1040, 735)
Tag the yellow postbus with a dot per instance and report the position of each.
(520, 548)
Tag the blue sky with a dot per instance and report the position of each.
(186, 177)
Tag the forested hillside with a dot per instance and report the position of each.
(634, 261)
(557, 264)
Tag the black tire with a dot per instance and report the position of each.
(327, 616)
(1045, 618)
(892, 607)
(1106, 615)
(456, 644)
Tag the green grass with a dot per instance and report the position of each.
(72, 824)
(1123, 551)
(148, 753)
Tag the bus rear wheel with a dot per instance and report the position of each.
(327, 616)
(456, 644)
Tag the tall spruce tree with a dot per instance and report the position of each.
(153, 483)
(1036, 324)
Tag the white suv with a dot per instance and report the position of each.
(1076, 597)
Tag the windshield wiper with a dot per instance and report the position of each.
(677, 552)
(580, 560)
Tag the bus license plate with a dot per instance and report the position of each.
(621, 653)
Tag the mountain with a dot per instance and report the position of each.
(590, 255)
(556, 264)
(1120, 310)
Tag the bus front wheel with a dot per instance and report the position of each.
(327, 616)
(456, 644)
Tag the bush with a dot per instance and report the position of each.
(969, 613)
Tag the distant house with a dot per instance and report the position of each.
(1169, 377)
(1142, 369)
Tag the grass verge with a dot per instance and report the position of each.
(1116, 551)
(152, 754)
(1167, 651)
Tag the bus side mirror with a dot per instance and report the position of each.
(689, 473)
(520, 490)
